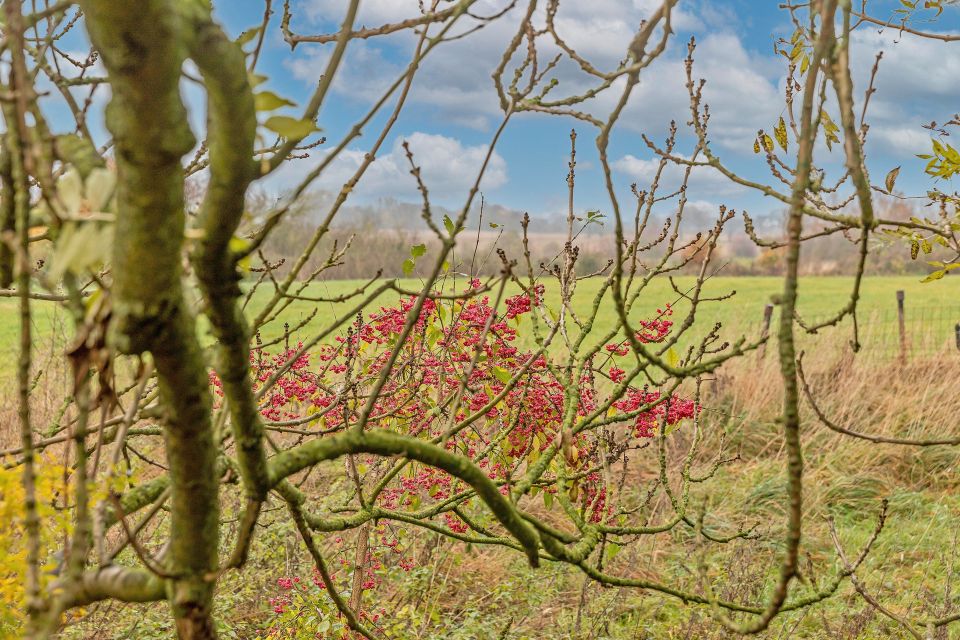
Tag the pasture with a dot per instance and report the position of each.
(845, 480)
(932, 309)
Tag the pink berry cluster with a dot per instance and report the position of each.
(462, 378)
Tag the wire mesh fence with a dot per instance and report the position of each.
(925, 331)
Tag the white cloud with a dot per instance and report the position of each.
(371, 12)
(705, 182)
(680, 17)
(448, 168)
(911, 67)
(745, 92)
(915, 84)
(455, 78)
(905, 140)
(364, 74)
(742, 93)
(601, 30)
(744, 88)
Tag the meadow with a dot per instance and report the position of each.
(845, 482)
(820, 297)
(931, 308)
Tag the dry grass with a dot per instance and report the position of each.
(846, 479)
(909, 570)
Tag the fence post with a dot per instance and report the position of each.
(956, 332)
(902, 326)
(765, 328)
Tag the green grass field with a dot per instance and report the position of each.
(931, 309)
(820, 297)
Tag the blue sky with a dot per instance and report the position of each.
(453, 108)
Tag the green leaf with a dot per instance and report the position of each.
(936, 275)
(408, 266)
(70, 191)
(256, 79)
(99, 187)
(81, 246)
(673, 358)
(945, 161)
(611, 551)
(248, 36)
(418, 250)
(502, 374)
(268, 101)
(291, 128)
(239, 246)
(448, 224)
(830, 129)
(548, 500)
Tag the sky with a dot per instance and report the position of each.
(453, 109)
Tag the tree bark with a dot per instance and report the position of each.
(140, 44)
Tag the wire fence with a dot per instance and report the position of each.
(924, 330)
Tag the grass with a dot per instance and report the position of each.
(931, 308)
(474, 593)
(910, 568)
(820, 297)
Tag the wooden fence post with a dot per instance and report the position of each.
(956, 332)
(765, 328)
(902, 327)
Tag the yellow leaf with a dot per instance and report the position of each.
(767, 143)
(780, 132)
(891, 180)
